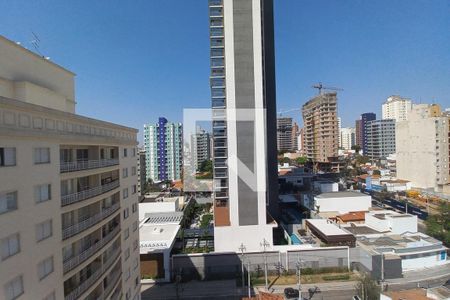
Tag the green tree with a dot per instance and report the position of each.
(438, 225)
(301, 160)
(367, 288)
(206, 166)
(357, 148)
(376, 172)
(362, 159)
(284, 160)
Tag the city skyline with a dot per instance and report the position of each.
(114, 67)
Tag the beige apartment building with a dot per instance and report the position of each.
(396, 107)
(321, 133)
(422, 148)
(68, 194)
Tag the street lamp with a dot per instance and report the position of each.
(242, 248)
(298, 264)
(265, 244)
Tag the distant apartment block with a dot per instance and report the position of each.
(321, 133)
(358, 133)
(141, 171)
(68, 194)
(396, 108)
(201, 147)
(347, 138)
(365, 118)
(295, 134)
(423, 147)
(380, 138)
(285, 136)
(163, 145)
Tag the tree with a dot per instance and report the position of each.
(357, 148)
(206, 166)
(438, 225)
(376, 172)
(366, 288)
(284, 160)
(301, 160)
(362, 159)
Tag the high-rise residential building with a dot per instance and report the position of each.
(422, 150)
(396, 108)
(380, 138)
(358, 133)
(321, 140)
(284, 134)
(201, 147)
(365, 118)
(163, 145)
(339, 130)
(300, 137)
(68, 195)
(142, 178)
(244, 123)
(295, 133)
(347, 138)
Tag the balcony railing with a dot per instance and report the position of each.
(86, 194)
(110, 287)
(93, 278)
(83, 225)
(71, 263)
(86, 165)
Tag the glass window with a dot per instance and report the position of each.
(133, 171)
(134, 189)
(135, 225)
(125, 193)
(8, 202)
(125, 152)
(7, 157)
(42, 193)
(44, 230)
(14, 288)
(124, 172)
(50, 297)
(126, 234)
(127, 253)
(45, 267)
(10, 245)
(42, 155)
(126, 213)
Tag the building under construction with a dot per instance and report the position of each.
(321, 134)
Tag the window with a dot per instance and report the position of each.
(127, 254)
(7, 157)
(125, 193)
(135, 263)
(126, 234)
(134, 207)
(42, 193)
(135, 244)
(10, 245)
(14, 288)
(133, 189)
(125, 152)
(126, 213)
(45, 267)
(136, 282)
(44, 230)
(8, 202)
(135, 226)
(133, 171)
(134, 152)
(124, 172)
(127, 274)
(128, 295)
(42, 155)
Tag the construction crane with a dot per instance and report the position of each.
(320, 87)
(280, 113)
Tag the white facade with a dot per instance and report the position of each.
(347, 138)
(396, 108)
(390, 221)
(423, 147)
(68, 194)
(326, 186)
(342, 202)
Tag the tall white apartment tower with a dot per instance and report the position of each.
(244, 123)
(68, 195)
(396, 108)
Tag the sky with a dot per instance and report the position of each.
(138, 60)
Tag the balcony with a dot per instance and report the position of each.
(85, 285)
(89, 193)
(110, 287)
(73, 166)
(72, 262)
(83, 225)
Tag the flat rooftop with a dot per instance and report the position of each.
(343, 194)
(327, 227)
(163, 218)
(362, 229)
(157, 237)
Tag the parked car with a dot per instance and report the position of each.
(290, 293)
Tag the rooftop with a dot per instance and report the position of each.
(327, 227)
(414, 294)
(360, 229)
(163, 218)
(153, 237)
(352, 216)
(344, 194)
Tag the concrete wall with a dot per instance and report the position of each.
(344, 205)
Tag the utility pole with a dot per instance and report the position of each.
(298, 264)
(265, 244)
(242, 248)
(382, 270)
(248, 275)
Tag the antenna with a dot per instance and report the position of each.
(35, 42)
